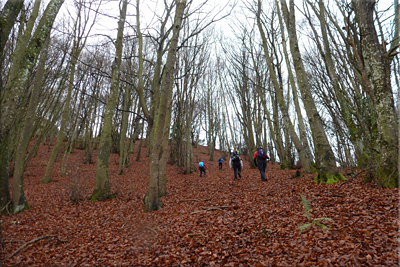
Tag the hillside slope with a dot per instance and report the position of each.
(208, 221)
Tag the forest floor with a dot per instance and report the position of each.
(208, 221)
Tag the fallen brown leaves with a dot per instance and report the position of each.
(209, 221)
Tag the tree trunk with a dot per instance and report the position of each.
(17, 83)
(102, 188)
(328, 172)
(19, 201)
(8, 17)
(379, 68)
(123, 149)
(4, 175)
(160, 130)
(47, 178)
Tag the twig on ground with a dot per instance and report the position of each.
(153, 229)
(211, 208)
(28, 243)
(197, 234)
(6, 207)
(198, 200)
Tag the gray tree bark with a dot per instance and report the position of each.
(17, 83)
(102, 188)
(377, 63)
(328, 172)
(162, 119)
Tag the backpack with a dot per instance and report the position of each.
(201, 164)
(261, 154)
(235, 158)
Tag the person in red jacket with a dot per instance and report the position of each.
(202, 168)
(260, 160)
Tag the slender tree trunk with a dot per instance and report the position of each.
(160, 129)
(282, 104)
(19, 201)
(8, 17)
(47, 178)
(17, 83)
(328, 172)
(123, 149)
(5, 196)
(302, 128)
(102, 188)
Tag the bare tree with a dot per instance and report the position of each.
(102, 188)
(162, 119)
(16, 85)
(328, 171)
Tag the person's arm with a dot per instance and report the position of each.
(230, 163)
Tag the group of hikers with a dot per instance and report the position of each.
(235, 162)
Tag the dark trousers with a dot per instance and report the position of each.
(202, 169)
(262, 165)
(237, 168)
(220, 165)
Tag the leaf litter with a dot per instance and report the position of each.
(205, 221)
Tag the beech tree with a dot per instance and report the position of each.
(80, 37)
(102, 188)
(376, 62)
(13, 93)
(162, 117)
(328, 171)
(306, 163)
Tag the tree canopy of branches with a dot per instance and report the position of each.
(316, 83)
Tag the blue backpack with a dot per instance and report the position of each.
(201, 164)
(261, 154)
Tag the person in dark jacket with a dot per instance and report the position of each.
(236, 163)
(260, 160)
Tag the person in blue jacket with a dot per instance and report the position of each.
(220, 161)
(202, 168)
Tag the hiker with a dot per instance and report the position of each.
(202, 168)
(220, 161)
(236, 163)
(260, 160)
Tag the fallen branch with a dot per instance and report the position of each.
(6, 207)
(198, 200)
(153, 229)
(27, 244)
(212, 208)
(197, 234)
